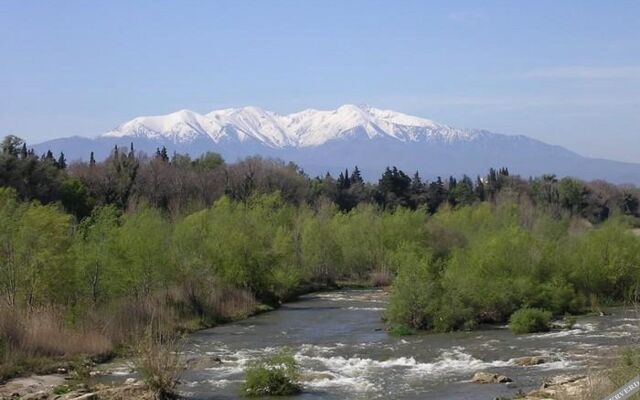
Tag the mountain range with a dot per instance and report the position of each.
(330, 141)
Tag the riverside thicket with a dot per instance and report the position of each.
(100, 251)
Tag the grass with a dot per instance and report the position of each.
(43, 333)
(41, 340)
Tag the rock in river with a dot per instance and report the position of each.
(530, 361)
(488, 377)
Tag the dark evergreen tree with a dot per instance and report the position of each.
(479, 189)
(356, 176)
(418, 191)
(11, 144)
(462, 192)
(61, 163)
(162, 154)
(394, 188)
(343, 180)
(436, 195)
(132, 153)
(49, 156)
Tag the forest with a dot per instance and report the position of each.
(98, 250)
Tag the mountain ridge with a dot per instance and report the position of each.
(306, 128)
(323, 141)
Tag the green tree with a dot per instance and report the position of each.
(93, 253)
(75, 198)
(42, 242)
(141, 260)
(607, 261)
(11, 211)
(320, 249)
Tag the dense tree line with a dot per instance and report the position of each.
(178, 184)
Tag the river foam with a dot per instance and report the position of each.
(449, 362)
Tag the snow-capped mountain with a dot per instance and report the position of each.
(321, 141)
(307, 128)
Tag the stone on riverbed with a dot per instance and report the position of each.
(488, 377)
(33, 387)
(203, 362)
(561, 387)
(530, 361)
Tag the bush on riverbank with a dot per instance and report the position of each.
(277, 375)
(530, 320)
(498, 259)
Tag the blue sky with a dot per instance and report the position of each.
(566, 72)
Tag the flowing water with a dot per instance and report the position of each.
(339, 341)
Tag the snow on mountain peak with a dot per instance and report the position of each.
(302, 129)
(179, 126)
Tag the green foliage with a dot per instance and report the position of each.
(140, 247)
(93, 251)
(415, 291)
(75, 198)
(41, 272)
(62, 389)
(606, 261)
(188, 233)
(321, 255)
(487, 262)
(277, 375)
(401, 330)
(530, 320)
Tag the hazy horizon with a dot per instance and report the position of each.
(570, 77)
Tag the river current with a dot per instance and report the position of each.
(339, 341)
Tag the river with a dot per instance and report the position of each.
(338, 339)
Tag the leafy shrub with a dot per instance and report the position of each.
(274, 376)
(414, 290)
(401, 330)
(529, 320)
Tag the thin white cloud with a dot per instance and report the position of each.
(585, 72)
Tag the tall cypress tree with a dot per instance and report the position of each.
(479, 189)
(62, 161)
(356, 176)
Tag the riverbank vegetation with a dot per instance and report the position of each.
(277, 375)
(92, 254)
(530, 320)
